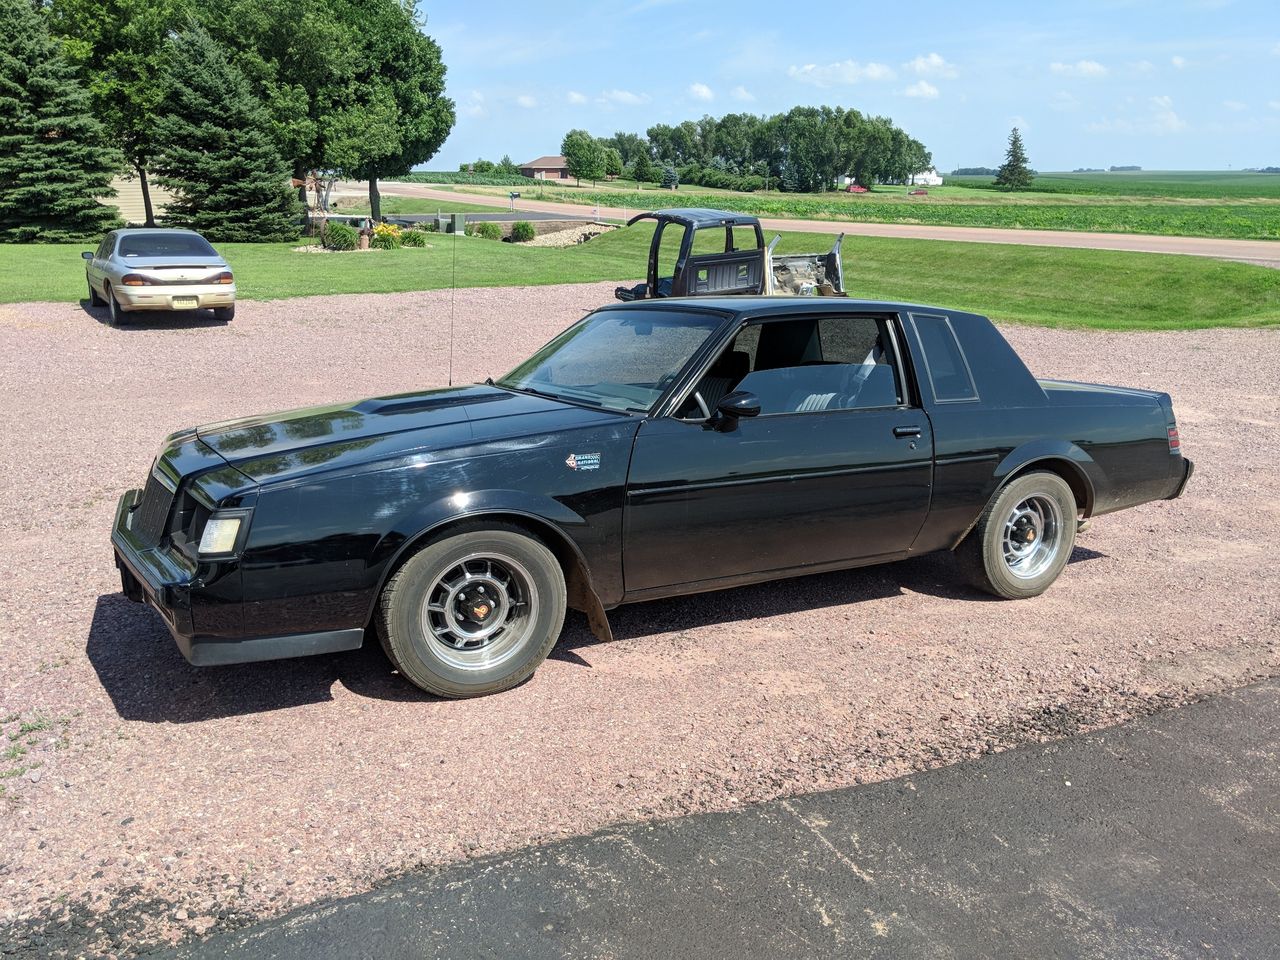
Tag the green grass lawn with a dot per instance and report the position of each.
(1037, 285)
(1202, 184)
(393, 206)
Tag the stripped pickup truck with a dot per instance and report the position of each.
(714, 253)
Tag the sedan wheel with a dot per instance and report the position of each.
(115, 315)
(1023, 539)
(474, 613)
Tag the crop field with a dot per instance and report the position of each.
(1190, 184)
(1245, 219)
(1045, 286)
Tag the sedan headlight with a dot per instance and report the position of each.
(221, 533)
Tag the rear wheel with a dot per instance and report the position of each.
(1023, 539)
(224, 314)
(474, 613)
(115, 314)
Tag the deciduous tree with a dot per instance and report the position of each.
(583, 155)
(55, 163)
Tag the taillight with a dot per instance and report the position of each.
(1175, 445)
(224, 277)
(135, 280)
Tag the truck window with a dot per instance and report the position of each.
(948, 370)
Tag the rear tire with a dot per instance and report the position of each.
(115, 314)
(1023, 539)
(224, 314)
(474, 613)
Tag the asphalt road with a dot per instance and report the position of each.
(1155, 839)
(1262, 252)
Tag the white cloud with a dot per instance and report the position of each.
(842, 72)
(575, 97)
(930, 65)
(922, 89)
(1274, 104)
(526, 101)
(1178, 62)
(1144, 66)
(622, 96)
(1081, 68)
(1160, 118)
(741, 93)
(700, 91)
(1235, 106)
(473, 106)
(1064, 102)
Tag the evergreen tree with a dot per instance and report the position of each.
(1014, 174)
(215, 149)
(54, 163)
(643, 169)
(670, 179)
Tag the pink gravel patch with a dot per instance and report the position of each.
(188, 797)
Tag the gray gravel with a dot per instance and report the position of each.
(156, 800)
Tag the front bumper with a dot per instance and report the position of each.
(190, 297)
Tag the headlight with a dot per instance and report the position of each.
(220, 535)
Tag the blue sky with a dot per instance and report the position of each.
(1183, 84)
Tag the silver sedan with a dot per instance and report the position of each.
(135, 270)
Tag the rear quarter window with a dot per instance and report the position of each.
(944, 361)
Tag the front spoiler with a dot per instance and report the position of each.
(152, 576)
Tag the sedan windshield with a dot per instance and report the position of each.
(618, 359)
(165, 244)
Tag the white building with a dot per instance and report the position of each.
(929, 178)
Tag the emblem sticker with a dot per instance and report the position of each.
(582, 461)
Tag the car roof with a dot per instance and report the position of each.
(772, 306)
(135, 231)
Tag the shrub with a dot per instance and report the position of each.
(386, 236)
(670, 179)
(488, 230)
(522, 231)
(339, 236)
(413, 238)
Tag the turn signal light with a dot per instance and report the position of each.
(219, 535)
(1175, 445)
(224, 277)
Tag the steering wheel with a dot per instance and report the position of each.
(702, 404)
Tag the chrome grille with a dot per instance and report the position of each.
(152, 512)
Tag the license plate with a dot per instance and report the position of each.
(186, 303)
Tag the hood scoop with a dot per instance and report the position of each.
(419, 402)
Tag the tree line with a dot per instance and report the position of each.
(804, 150)
(222, 103)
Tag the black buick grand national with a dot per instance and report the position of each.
(654, 448)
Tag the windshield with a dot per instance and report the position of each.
(163, 244)
(618, 359)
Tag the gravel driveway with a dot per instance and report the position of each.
(155, 800)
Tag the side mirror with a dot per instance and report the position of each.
(86, 255)
(740, 403)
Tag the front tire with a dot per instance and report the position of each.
(94, 299)
(474, 613)
(1024, 538)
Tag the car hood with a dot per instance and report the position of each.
(283, 445)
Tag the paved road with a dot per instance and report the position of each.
(1156, 839)
(1264, 252)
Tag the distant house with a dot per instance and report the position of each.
(929, 178)
(546, 168)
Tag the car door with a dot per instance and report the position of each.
(98, 265)
(837, 468)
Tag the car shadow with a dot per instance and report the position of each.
(152, 320)
(148, 680)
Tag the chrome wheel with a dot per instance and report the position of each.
(480, 611)
(1032, 535)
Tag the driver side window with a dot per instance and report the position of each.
(805, 365)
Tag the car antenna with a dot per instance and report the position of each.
(458, 221)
